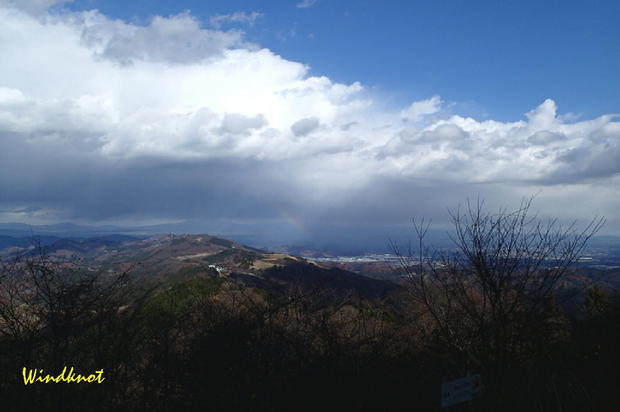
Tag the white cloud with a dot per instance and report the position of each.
(239, 17)
(305, 4)
(174, 39)
(304, 126)
(418, 110)
(99, 93)
(238, 124)
(33, 7)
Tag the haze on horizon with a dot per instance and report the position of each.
(306, 119)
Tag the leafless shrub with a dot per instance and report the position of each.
(490, 299)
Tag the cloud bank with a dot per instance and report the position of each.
(103, 120)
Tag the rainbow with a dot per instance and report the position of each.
(294, 221)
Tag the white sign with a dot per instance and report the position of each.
(460, 390)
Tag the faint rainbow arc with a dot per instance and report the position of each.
(294, 221)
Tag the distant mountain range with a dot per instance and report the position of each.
(72, 230)
(166, 259)
(325, 243)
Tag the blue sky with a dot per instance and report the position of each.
(263, 117)
(491, 58)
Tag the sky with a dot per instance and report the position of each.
(306, 119)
